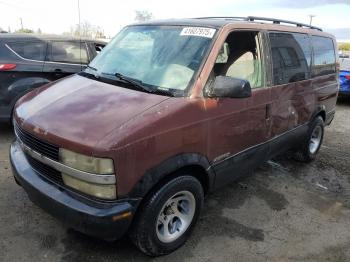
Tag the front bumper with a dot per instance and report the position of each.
(104, 220)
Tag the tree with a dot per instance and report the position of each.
(99, 33)
(344, 46)
(143, 15)
(25, 31)
(86, 30)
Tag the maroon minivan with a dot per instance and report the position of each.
(167, 112)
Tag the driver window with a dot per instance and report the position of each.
(240, 57)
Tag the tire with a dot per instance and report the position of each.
(310, 147)
(174, 209)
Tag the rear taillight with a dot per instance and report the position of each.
(347, 77)
(4, 67)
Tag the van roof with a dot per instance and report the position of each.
(43, 37)
(218, 22)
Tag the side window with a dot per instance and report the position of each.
(31, 50)
(69, 52)
(291, 57)
(324, 56)
(240, 57)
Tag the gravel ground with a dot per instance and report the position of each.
(285, 211)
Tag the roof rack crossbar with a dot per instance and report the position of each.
(256, 19)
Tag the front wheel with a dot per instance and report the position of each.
(166, 219)
(312, 144)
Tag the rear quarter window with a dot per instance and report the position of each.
(69, 52)
(29, 50)
(324, 56)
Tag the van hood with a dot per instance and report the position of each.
(81, 111)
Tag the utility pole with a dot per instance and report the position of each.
(311, 16)
(21, 22)
(79, 28)
(79, 23)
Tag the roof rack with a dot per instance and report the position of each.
(257, 19)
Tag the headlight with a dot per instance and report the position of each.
(100, 191)
(86, 163)
(94, 171)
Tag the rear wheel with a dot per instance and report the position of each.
(312, 144)
(167, 217)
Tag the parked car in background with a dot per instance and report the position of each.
(28, 61)
(167, 112)
(344, 77)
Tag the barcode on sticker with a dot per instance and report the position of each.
(198, 31)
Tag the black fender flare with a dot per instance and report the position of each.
(320, 110)
(169, 166)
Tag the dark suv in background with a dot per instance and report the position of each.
(29, 61)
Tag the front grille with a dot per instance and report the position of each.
(45, 170)
(38, 145)
(43, 148)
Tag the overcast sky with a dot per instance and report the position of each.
(111, 15)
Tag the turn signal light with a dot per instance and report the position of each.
(4, 67)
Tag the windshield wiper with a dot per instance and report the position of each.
(139, 84)
(92, 74)
(134, 82)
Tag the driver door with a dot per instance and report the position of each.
(239, 127)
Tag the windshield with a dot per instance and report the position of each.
(159, 57)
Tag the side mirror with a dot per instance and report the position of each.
(225, 86)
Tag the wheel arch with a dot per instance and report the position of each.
(22, 87)
(192, 164)
(320, 111)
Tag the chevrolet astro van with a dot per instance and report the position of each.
(167, 112)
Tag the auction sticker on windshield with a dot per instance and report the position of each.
(198, 31)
